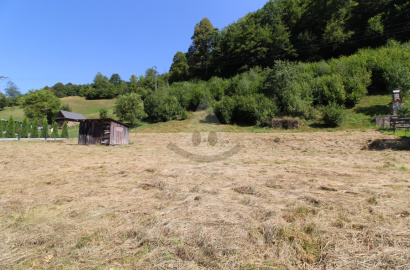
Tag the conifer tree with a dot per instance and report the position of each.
(55, 130)
(24, 129)
(10, 132)
(1, 129)
(44, 130)
(34, 129)
(64, 133)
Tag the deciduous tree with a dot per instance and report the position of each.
(41, 103)
(179, 68)
(199, 53)
(3, 101)
(129, 108)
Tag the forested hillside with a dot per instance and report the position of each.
(297, 89)
(304, 30)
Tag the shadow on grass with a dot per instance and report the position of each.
(210, 119)
(319, 125)
(399, 144)
(374, 110)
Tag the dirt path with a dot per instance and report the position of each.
(300, 200)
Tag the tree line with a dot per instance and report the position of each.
(12, 129)
(295, 30)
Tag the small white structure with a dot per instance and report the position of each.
(395, 103)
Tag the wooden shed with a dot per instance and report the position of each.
(67, 116)
(103, 131)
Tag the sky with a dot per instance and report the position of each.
(46, 42)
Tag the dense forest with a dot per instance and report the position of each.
(299, 58)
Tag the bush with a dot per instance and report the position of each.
(64, 132)
(3, 101)
(11, 130)
(24, 129)
(247, 83)
(66, 107)
(190, 95)
(404, 110)
(329, 89)
(224, 109)
(130, 108)
(217, 87)
(333, 115)
(55, 130)
(249, 110)
(103, 113)
(44, 130)
(1, 129)
(34, 129)
(161, 107)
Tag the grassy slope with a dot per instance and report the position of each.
(359, 117)
(89, 108)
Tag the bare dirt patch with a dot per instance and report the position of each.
(285, 201)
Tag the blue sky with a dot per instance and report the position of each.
(45, 42)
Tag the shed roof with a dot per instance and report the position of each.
(69, 115)
(102, 120)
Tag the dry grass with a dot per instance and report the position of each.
(285, 201)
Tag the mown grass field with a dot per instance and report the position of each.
(307, 200)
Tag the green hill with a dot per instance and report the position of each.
(89, 108)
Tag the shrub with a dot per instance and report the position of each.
(190, 95)
(64, 132)
(34, 129)
(254, 109)
(247, 83)
(66, 107)
(328, 89)
(1, 129)
(161, 107)
(217, 87)
(333, 115)
(3, 101)
(10, 131)
(24, 129)
(129, 108)
(397, 76)
(44, 130)
(224, 109)
(404, 110)
(103, 113)
(55, 130)
(266, 109)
